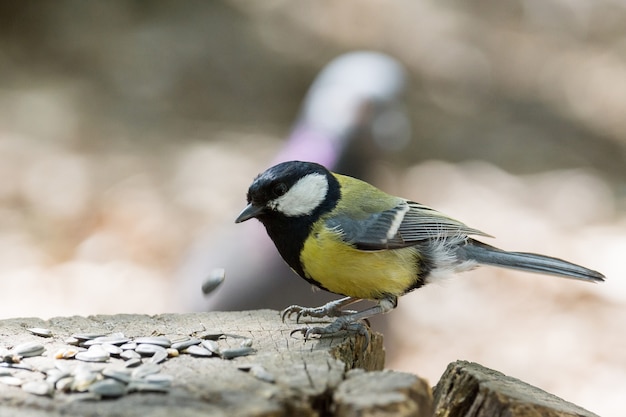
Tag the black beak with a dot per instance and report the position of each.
(249, 212)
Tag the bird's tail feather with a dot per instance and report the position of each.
(531, 262)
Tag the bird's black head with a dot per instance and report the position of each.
(291, 189)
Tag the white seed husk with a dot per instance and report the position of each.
(38, 388)
(29, 349)
(40, 331)
(213, 280)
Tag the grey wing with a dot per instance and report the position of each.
(406, 224)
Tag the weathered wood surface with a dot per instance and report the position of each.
(316, 378)
(306, 374)
(470, 390)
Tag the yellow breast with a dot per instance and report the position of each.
(345, 270)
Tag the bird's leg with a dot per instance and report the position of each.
(351, 322)
(330, 309)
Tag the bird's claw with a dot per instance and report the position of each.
(317, 312)
(342, 324)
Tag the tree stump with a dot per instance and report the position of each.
(470, 390)
(303, 374)
(284, 376)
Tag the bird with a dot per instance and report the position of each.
(350, 238)
(353, 114)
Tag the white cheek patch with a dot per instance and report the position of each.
(304, 197)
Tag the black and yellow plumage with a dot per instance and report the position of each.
(348, 237)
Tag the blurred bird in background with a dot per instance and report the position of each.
(353, 110)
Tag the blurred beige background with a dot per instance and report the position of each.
(131, 130)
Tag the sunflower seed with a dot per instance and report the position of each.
(67, 352)
(130, 354)
(149, 350)
(72, 341)
(262, 374)
(209, 335)
(112, 349)
(38, 331)
(133, 363)
(54, 374)
(158, 357)
(95, 353)
(121, 375)
(28, 349)
(143, 386)
(172, 353)
(159, 379)
(214, 280)
(246, 343)
(236, 352)
(129, 346)
(158, 341)
(86, 336)
(145, 370)
(184, 344)
(196, 350)
(38, 388)
(64, 384)
(211, 346)
(108, 388)
(11, 380)
(114, 339)
(83, 378)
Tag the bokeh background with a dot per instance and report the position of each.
(130, 131)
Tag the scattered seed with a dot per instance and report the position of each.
(149, 350)
(83, 378)
(143, 386)
(113, 350)
(72, 341)
(130, 354)
(67, 353)
(54, 374)
(213, 280)
(115, 339)
(86, 336)
(236, 352)
(196, 350)
(209, 335)
(129, 346)
(145, 370)
(133, 363)
(108, 388)
(184, 344)
(158, 341)
(64, 384)
(262, 374)
(211, 346)
(158, 357)
(38, 388)
(122, 374)
(159, 379)
(172, 353)
(11, 380)
(95, 353)
(29, 349)
(246, 343)
(38, 331)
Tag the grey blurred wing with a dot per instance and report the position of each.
(406, 224)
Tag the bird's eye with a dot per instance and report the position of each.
(279, 189)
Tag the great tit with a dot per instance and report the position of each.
(348, 237)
